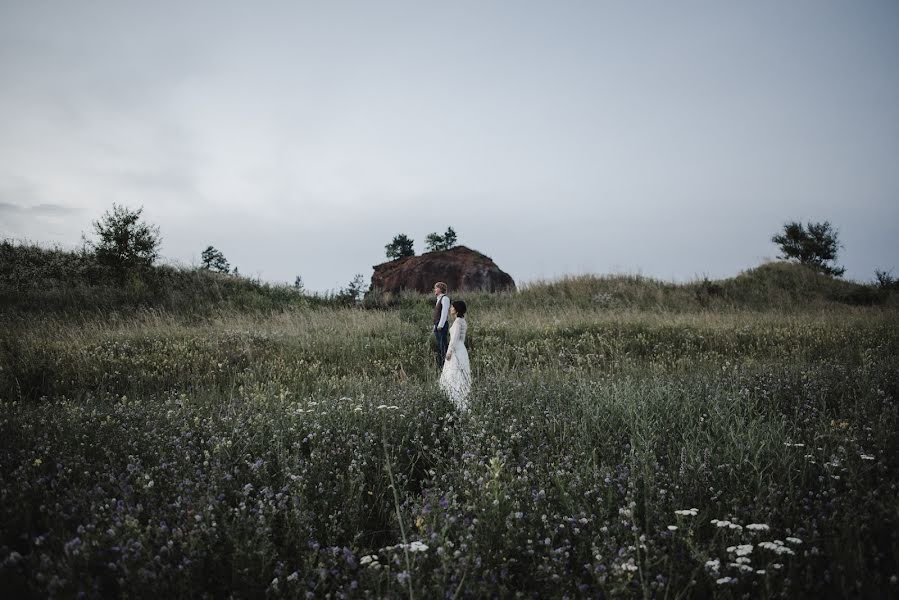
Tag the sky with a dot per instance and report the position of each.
(669, 139)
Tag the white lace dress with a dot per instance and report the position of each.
(455, 379)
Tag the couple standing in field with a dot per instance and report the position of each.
(452, 356)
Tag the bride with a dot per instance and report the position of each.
(455, 379)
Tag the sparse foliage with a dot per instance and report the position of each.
(214, 260)
(436, 243)
(298, 285)
(400, 247)
(885, 279)
(352, 293)
(125, 243)
(813, 244)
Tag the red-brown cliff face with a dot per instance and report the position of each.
(463, 270)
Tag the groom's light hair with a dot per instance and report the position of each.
(441, 286)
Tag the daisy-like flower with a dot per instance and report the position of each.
(417, 546)
(757, 527)
(672, 528)
(687, 512)
(794, 540)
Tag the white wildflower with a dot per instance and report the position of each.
(741, 550)
(757, 527)
(672, 528)
(866, 457)
(630, 566)
(777, 547)
(370, 559)
(794, 540)
(725, 581)
(688, 512)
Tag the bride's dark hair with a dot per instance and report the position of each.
(460, 307)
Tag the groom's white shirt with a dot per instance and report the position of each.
(444, 302)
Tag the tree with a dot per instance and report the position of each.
(449, 238)
(400, 247)
(125, 243)
(352, 293)
(298, 285)
(437, 243)
(433, 242)
(814, 244)
(214, 260)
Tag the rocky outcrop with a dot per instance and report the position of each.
(463, 270)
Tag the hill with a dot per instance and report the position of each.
(37, 279)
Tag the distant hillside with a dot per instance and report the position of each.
(36, 279)
(773, 285)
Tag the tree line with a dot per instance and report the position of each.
(125, 243)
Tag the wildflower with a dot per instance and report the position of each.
(760, 572)
(757, 527)
(713, 565)
(417, 546)
(728, 524)
(672, 528)
(776, 546)
(689, 512)
(794, 540)
(293, 576)
(741, 550)
(725, 580)
(37, 462)
(866, 457)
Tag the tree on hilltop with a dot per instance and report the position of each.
(813, 244)
(124, 242)
(437, 243)
(400, 247)
(214, 260)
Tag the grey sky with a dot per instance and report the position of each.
(667, 138)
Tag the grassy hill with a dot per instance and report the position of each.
(37, 279)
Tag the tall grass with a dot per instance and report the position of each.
(305, 451)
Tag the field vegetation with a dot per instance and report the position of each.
(194, 434)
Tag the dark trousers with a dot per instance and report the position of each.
(442, 336)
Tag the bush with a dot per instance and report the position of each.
(125, 243)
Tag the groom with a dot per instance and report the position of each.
(441, 322)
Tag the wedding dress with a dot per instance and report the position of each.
(455, 379)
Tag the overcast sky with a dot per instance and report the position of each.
(671, 139)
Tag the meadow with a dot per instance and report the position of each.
(626, 438)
